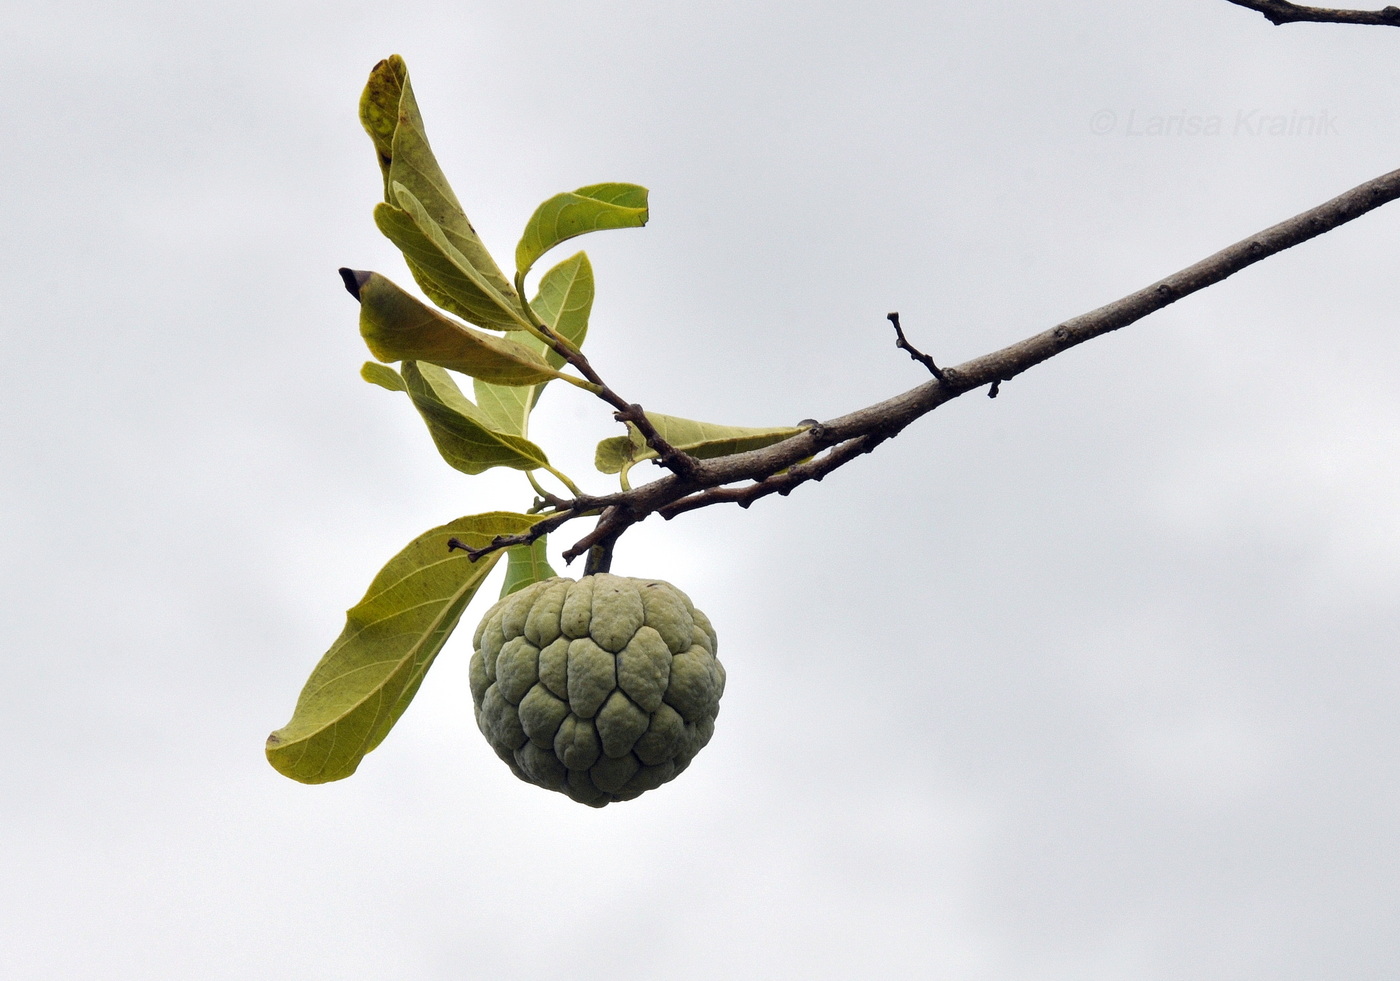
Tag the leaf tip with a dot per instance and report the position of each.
(383, 376)
(354, 280)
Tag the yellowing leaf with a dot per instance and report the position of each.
(390, 115)
(398, 327)
(446, 275)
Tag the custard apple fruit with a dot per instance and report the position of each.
(601, 689)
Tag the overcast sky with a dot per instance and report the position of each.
(1097, 680)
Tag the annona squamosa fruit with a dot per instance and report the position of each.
(601, 689)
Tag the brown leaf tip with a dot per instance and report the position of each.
(353, 280)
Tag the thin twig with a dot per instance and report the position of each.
(1283, 12)
(538, 530)
(914, 352)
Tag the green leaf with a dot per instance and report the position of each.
(398, 327)
(447, 276)
(384, 376)
(702, 440)
(390, 115)
(465, 436)
(589, 209)
(366, 680)
(564, 302)
(526, 564)
(506, 407)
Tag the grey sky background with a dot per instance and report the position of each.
(1097, 680)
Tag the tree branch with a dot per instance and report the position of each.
(1282, 12)
(817, 451)
(677, 461)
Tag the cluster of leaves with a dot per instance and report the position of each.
(366, 680)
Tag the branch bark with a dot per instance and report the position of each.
(817, 451)
(1283, 12)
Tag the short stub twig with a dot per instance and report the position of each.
(919, 356)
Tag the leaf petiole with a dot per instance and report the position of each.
(587, 386)
(562, 477)
(538, 327)
(540, 492)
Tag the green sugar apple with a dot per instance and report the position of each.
(601, 689)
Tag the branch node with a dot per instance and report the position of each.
(679, 462)
(599, 542)
(995, 390)
(456, 544)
